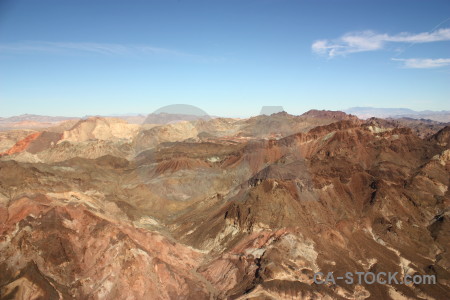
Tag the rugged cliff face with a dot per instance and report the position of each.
(225, 209)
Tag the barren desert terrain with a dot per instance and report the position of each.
(224, 208)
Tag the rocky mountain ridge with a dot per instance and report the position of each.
(225, 209)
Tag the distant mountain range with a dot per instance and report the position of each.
(368, 112)
(30, 121)
(35, 118)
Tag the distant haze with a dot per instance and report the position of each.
(230, 58)
(369, 112)
(180, 112)
(268, 110)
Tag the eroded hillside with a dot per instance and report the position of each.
(225, 209)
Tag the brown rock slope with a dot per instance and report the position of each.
(339, 198)
(10, 138)
(64, 250)
(229, 213)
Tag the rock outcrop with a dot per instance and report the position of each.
(225, 209)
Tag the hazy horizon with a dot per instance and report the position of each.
(76, 58)
(131, 114)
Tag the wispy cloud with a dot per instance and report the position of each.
(370, 41)
(423, 63)
(90, 48)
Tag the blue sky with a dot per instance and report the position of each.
(77, 58)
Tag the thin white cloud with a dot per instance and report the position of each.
(89, 48)
(423, 63)
(370, 41)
